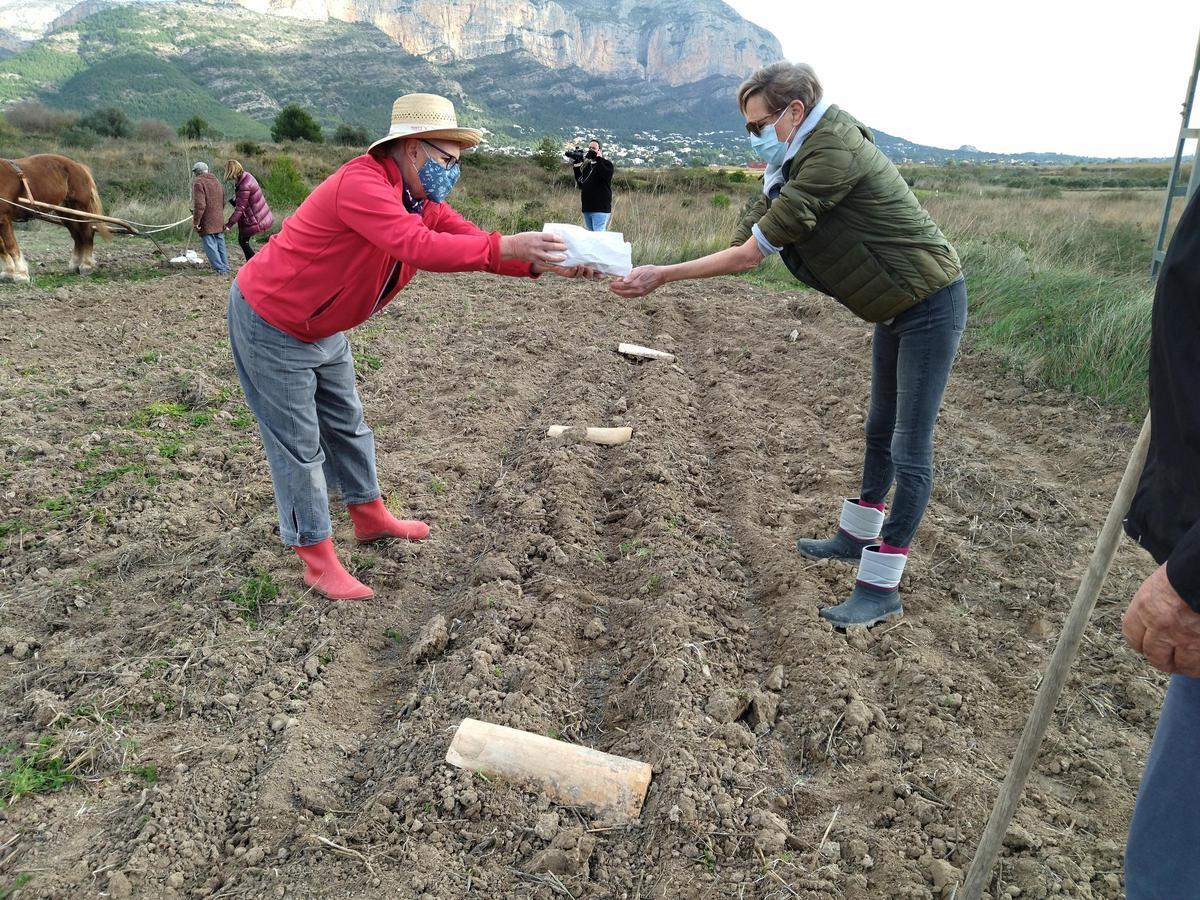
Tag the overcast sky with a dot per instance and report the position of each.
(1065, 76)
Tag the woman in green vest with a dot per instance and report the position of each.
(846, 224)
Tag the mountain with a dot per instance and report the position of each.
(515, 67)
(655, 77)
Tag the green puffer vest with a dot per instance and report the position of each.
(850, 227)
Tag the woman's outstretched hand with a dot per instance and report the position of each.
(537, 247)
(638, 283)
(568, 271)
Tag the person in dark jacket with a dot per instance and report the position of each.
(250, 213)
(846, 224)
(208, 216)
(593, 177)
(1163, 620)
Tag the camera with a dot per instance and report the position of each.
(575, 155)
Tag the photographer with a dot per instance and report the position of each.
(593, 177)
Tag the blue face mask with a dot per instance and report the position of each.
(768, 146)
(438, 180)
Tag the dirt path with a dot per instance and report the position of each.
(234, 736)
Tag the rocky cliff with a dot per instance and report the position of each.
(673, 41)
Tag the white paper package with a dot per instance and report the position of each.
(606, 251)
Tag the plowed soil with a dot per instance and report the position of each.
(232, 735)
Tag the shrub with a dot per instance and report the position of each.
(38, 118)
(547, 154)
(107, 122)
(193, 129)
(154, 131)
(720, 201)
(295, 123)
(249, 148)
(77, 136)
(351, 136)
(284, 186)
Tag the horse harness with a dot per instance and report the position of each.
(24, 181)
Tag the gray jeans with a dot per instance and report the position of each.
(911, 357)
(310, 418)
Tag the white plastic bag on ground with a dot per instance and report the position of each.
(606, 251)
(190, 258)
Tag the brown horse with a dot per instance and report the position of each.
(51, 179)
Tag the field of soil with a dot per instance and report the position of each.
(231, 735)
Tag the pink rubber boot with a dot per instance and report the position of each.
(373, 522)
(326, 575)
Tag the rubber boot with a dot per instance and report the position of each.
(326, 575)
(373, 522)
(859, 528)
(876, 594)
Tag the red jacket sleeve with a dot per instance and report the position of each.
(451, 221)
(370, 206)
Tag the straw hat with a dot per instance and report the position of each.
(427, 116)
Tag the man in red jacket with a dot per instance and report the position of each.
(340, 258)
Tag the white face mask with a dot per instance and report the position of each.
(768, 146)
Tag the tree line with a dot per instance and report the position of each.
(292, 123)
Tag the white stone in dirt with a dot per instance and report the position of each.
(20, 650)
(547, 826)
(431, 641)
(229, 700)
(312, 666)
(254, 856)
(175, 880)
(278, 722)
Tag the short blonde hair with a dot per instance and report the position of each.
(233, 169)
(779, 84)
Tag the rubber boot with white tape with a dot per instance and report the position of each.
(876, 595)
(859, 527)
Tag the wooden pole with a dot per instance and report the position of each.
(1056, 674)
(79, 212)
(610, 437)
(645, 352)
(570, 774)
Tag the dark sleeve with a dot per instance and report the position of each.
(756, 211)
(820, 182)
(1183, 567)
(607, 169)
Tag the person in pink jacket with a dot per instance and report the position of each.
(340, 258)
(250, 213)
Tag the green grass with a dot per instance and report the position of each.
(148, 774)
(39, 770)
(256, 590)
(7, 891)
(159, 409)
(53, 280)
(1063, 326)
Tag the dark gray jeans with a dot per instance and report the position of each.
(1161, 862)
(911, 357)
(310, 418)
